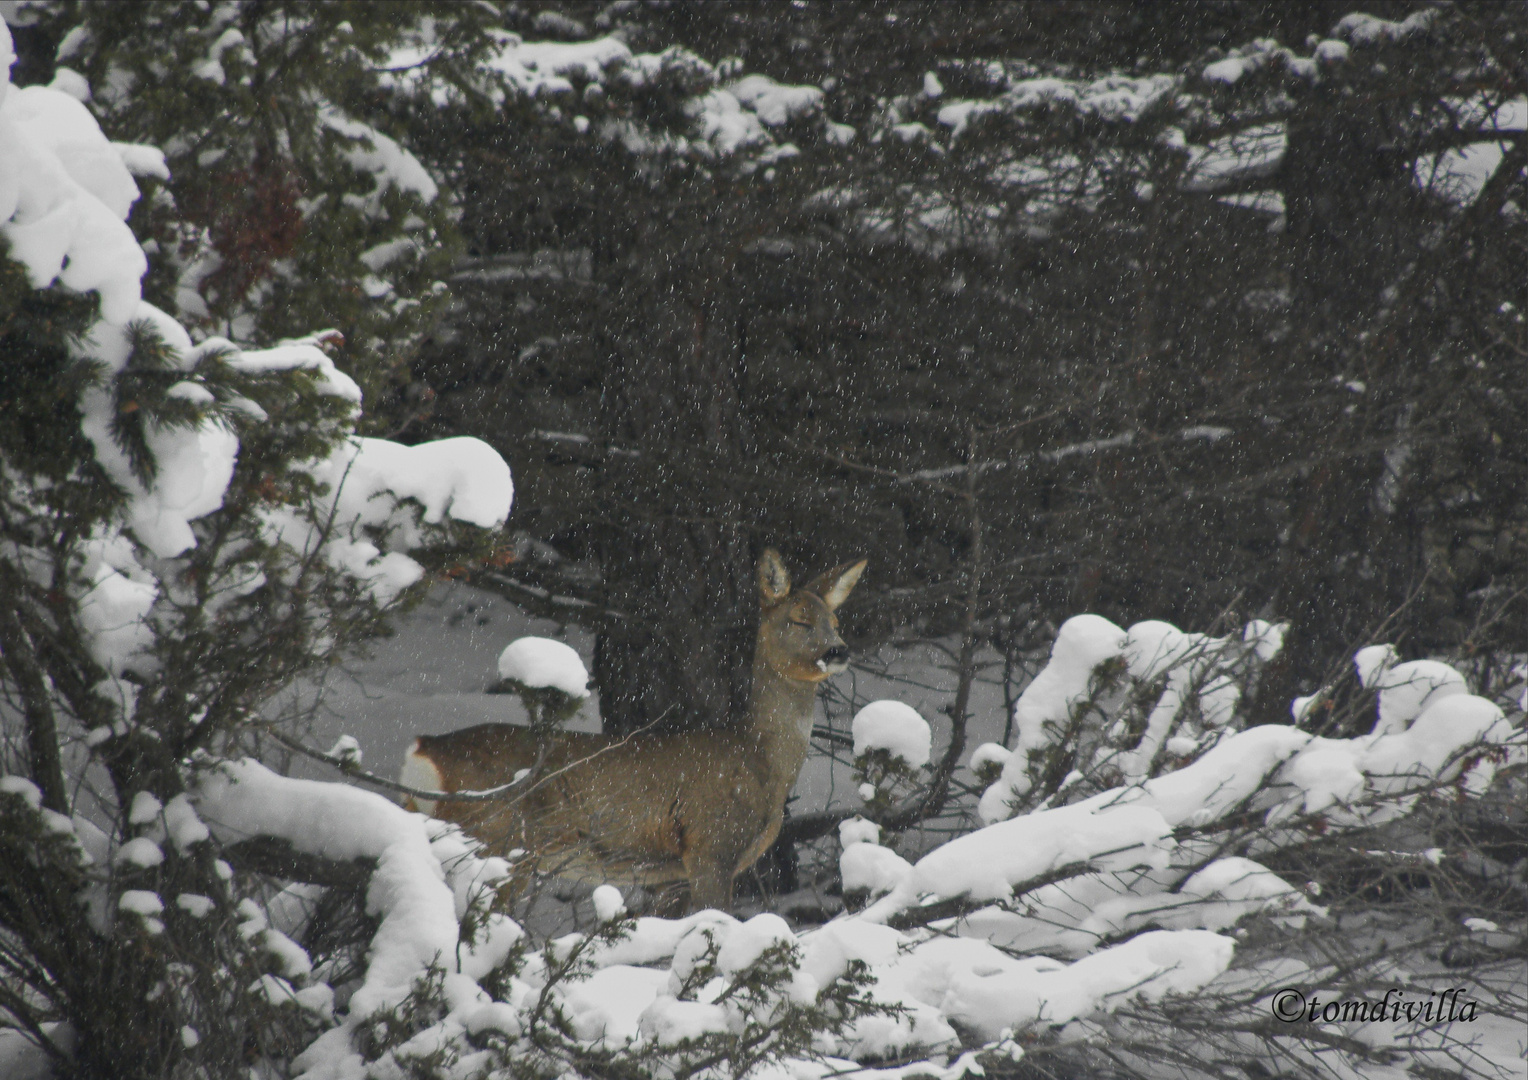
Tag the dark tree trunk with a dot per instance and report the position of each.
(683, 660)
(680, 560)
(1351, 202)
(1351, 206)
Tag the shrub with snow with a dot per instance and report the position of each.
(891, 745)
(548, 675)
(188, 526)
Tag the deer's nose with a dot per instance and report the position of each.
(838, 654)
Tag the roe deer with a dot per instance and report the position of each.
(698, 806)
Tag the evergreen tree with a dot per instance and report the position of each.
(184, 530)
(281, 203)
(1067, 300)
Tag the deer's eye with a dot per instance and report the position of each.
(801, 620)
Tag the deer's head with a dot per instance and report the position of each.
(798, 631)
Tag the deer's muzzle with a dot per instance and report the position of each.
(835, 661)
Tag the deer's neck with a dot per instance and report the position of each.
(780, 713)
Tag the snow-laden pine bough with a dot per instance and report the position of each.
(185, 528)
(1066, 915)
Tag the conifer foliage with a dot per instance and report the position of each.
(280, 202)
(184, 528)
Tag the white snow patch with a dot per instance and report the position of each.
(370, 151)
(64, 195)
(29, 792)
(775, 104)
(895, 728)
(1042, 711)
(140, 852)
(195, 904)
(408, 892)
(872, 868)
(609, 905)
(542, 662)
(143, 809)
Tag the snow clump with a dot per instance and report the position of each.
(895, 728)
(539, 662)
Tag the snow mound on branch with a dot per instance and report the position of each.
(194, 467)
(64, 195)
(727, 119)
(865, 865)
(140, 159)
(870, 868)
(118, 595)
(1075, 916)
(370, 151)
(62, 124)
(1082, 643)
(1356, 30)
(774, 103)
(299, 354)
(857, 830)
(988, 863)
(537, 68)
(416, 899)
(542, 662)
(609, 1005)
(724, 124)
(1426, 724)
(333, 821)
(463, 477)
(1202, 678)
(1361, 29)
(374, 482)
(1112, 98)
(1197, 671)
(989, 754)
(895, 728)
(609, 905)
(1018, 993)
(1407, 690)
(985, 989)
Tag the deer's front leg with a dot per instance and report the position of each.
(710, 874)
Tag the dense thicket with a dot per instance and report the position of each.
(1251, 322)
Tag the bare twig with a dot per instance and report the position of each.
(958, 906)
(41, 727)
(514, 790)
(937, 793)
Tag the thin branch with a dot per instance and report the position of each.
(937, 793)
(545, 603)
(43, 756)
(517, 787)
(514, 790)
(276, 857)
(959, 906)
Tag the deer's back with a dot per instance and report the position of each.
(603, 807)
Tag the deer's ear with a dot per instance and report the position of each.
(774, 579)
(834, 586)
